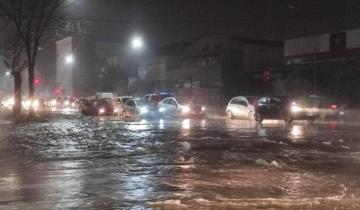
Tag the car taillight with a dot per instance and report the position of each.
(333, 106)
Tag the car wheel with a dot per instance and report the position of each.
(230, 115)
(251, 115)
(288, 119)
(310, 120)
(258, 118)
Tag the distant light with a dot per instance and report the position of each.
(137, 43)
(8, 73)
(69, 59)
(290, 6)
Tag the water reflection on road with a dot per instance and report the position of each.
(105, 163)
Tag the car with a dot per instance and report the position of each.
(241, 107)
(154, 99)
(97, 107)
(174, 107)
(138, 109)
(284, 108)
(325, 106)
(119, 103)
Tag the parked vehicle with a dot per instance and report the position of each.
(282, 108)
(96, 107)
(119, 103)
(173, 107)
(241, 107)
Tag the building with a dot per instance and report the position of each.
(328, 62)
(212, 68)
(81, 64)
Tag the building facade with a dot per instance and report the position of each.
(213, 68)
(328, 62)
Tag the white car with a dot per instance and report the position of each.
(119, 103)
(240, 107)
(172, 107)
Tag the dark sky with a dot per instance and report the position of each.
(162, 21)
(165, 21)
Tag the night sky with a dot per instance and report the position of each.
(162, 21)
(165, 21)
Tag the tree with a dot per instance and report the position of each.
(34, 22)
(15, 60)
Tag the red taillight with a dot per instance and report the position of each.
(333, 106)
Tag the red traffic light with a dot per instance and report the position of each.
(37, 82)
(58, 91)
(266, 75)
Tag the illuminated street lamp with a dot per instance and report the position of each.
(7, 74)
(137, 43)
(69, 59)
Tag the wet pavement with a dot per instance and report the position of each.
(75, 162)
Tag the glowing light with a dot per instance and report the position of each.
(137, 43)
(186, 109)
(297, 131)
(53, 102)
(295, 108)
(186, 124)
(101, 111)
(143, 110)
(203, 108)
(69, 59)
(7, 74)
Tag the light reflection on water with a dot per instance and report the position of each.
(196, 169)
(297, 131)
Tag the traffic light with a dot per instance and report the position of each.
(37, 82)
(58, 91)
(266, 75)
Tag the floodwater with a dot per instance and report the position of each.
(74, 162)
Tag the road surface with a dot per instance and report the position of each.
(75, 162)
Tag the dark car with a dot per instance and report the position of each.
(282, 108)
(96, 107)
(326, 107)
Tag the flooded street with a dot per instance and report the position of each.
(75, 162)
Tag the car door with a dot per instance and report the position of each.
(164, 106)
(130, 108)
(173, 107)
(242, 107)
(262, 107)
(275, 108)
(237, 107)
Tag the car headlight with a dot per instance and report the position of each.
(35, 104)
(296, 108)
(203, 108)
(162, 109)
(101, 111)
(186, 109)
(53, 102)
(144, 110)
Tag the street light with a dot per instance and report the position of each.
(137, 43)
(7, 74)
(69, 59)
